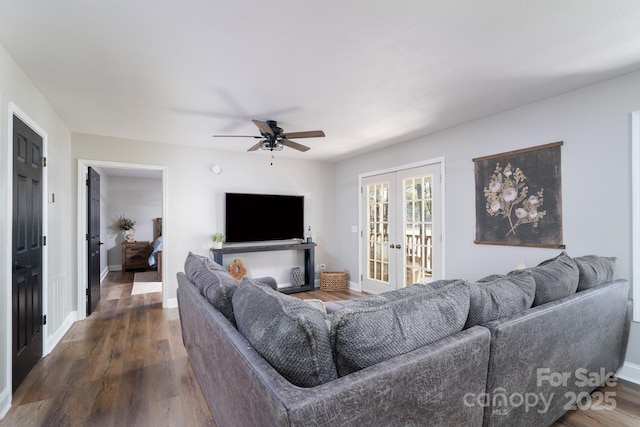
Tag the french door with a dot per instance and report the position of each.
(401, 237)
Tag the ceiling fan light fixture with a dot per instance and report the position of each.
(271, 146)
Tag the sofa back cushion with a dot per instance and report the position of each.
(555, 278)
(499, 296)
(287, 332)
(594, 270)
(195, 263)
(213, 281)
(374, 329)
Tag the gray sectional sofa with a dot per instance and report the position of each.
(264, 358)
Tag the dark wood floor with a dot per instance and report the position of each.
(125, 365)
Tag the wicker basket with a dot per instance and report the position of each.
(333, 281)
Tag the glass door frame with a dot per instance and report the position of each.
(430, 162)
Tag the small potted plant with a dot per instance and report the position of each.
(128, 227)
(217, 239)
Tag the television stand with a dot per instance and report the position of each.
(309, 260)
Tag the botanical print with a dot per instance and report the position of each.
(507, 197)
(514, 208)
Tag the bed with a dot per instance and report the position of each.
(155, 259)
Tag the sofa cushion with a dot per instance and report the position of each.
(594, 270)
(196, 264)
(287, 332)
(219, 291)
(555, 278)
(499, 296)
(378, 328)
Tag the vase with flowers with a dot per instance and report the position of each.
(127, 226)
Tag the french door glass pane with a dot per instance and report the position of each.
(418, 230)
(378, 229)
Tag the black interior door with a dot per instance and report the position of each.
(93, 237)
(26, 250)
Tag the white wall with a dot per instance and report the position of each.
(196, 196)
(594, 124)
(16, 88)
(139, 199)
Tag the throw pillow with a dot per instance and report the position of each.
(195, 263)
(219, 290)
(594, 270)
(498, 296)
(192, 264)
(287, 332)
(381, 327)
(214, 283)
(555, 278)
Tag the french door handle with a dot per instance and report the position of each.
(392, 246)
(398, 246)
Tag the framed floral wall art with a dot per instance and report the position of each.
(519, 197)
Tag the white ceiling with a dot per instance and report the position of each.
(366, 72)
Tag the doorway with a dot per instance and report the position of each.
(107, 170)
(402, 228)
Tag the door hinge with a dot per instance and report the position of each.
(44, 240)
(87, 291)
(43, 319)
(361, 279)
(87, 182)
(86, 237)
(361, 190)
(44, 162)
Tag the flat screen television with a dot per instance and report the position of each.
(263, 217)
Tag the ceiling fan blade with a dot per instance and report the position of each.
(236, 136)
(255, 147)
(294, 145)
(307, 134)
(264, 127)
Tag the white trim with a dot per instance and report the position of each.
(428, 162)
(53, 340)
(170, 302)
(83, 164)
(104, 273)
(630, 372)
(635, 216)
(14, 110)
(5, 401)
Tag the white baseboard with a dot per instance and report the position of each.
(103, 274)
(54, 339)
(5, 401)
(171, 303)
(630, 372)
(355, 286)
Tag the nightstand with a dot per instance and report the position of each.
(135, 255)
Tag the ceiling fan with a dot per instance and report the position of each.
(275, 139)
